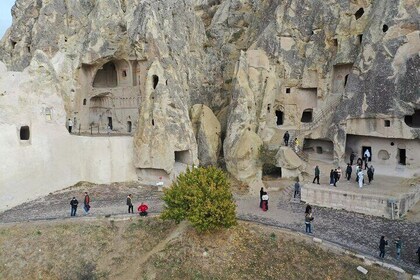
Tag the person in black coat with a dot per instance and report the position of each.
(73, 204)
(261, 194)
(349, 170)
(335, 177)
(382, 244)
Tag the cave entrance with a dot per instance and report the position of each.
(413, 120)
(24, 132)
(110, 123)
(307, 116)
(364, 148)
(106, 76)
(402, 156)
(271, 170)
(279, 116)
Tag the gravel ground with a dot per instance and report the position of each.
(357, 232)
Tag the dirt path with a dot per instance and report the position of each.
(354, 231)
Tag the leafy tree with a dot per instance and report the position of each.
(203, 197)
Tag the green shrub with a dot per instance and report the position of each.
(203, 197)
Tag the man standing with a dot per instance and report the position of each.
(86, 203)
(352, 156)
(73, 204)
(70, 125)
(317, 172)
(130, 204)
(382, 244)
(398, 245)
(286, 138)
(349, 170)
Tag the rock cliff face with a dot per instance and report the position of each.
(333, 73)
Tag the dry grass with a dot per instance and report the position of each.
(82, 249)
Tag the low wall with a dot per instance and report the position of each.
(370, 204)
(53, 159)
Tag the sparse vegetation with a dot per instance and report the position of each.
(268, 159)
(91, 250)
(203, 197)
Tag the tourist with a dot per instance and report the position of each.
(332, 177)
(360, 178)
(339, 172)
(286, 137)
(418, 253)
(349, 170)
(366, 157)
(398, 245)
(143, 209)
(308, 221)
(373, 170)
(86, 203)
(358, 168)
(296, 144)
(297, 189)
(308, 208)
(261, 194)
(335, 177)
(382, 244)
(370, 174)
(70, 125)
(73, 204)
(352, 156)
(130, 204)
(264, 201)
(317, 172)
(359, 162)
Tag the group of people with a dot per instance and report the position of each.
(74, 203)
(295, 143)
(142, 209)
(335, 174)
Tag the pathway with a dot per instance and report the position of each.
(354, 231)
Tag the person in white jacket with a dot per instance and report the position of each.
(360, 178)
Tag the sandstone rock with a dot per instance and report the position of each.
(362, 269)
(207, 131)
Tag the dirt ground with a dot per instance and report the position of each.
(148, 248)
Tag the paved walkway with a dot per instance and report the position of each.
(354, 231)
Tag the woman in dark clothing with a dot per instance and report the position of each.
(332, 177)
(264, 199)
(308, 209)
(261, 194)
(382, 244)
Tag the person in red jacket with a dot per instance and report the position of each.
(143, 209)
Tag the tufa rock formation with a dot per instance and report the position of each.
(152, 76)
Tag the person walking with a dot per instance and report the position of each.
(349, 170)
(261, 194)
(308, 222)
(366, 157)
(373, 170)
(265, 201)
(418, 253)
(297, 189)
(339, 173)
(382, 243)
(143, 209)
(398, 245)
(335, 177)
(370, 174)
(73, 204)
(352, 156)
(317, 173)
(360, 178)
(86, 203)
(70, 125)
(358, 168)
(332, 177)
(130, 204)
(286, 137)
(296, 144)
